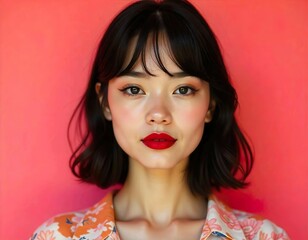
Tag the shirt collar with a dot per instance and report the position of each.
(220, 221)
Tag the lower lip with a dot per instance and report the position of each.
(158, 145)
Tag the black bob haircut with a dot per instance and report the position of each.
(223, 157)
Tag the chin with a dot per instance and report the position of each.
(162, 164)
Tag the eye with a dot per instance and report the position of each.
(185, 90)
(132, 90)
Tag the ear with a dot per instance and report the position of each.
(106, 110)
(107, 113)
(98, 92)
(210, 112)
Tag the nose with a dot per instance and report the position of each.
(158, 112)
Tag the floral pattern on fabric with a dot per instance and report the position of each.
(273, 236)
(98, 223)
(251, 227)
(45, 235)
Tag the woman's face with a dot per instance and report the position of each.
(158, 120)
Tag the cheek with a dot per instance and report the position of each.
(123, 114)
(122, 118)
(193, 120)
(119, 108)
(193, 116)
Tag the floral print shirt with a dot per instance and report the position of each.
(98, 223)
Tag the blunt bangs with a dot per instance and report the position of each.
(189, 41)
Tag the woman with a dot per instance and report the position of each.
(160, 116)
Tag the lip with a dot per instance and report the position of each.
(158, 141)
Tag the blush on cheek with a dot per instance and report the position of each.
(123, 112)
(123, 117)
(194, 116)
(120, 109)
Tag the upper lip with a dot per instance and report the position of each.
(158, 137)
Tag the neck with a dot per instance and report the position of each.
(158, 196)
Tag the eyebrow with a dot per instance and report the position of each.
(137, 74)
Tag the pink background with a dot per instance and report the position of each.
(46, 49)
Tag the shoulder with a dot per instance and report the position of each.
(240, 224)
(257, 227)
(90, 223)
(59, 227)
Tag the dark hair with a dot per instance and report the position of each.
(223, 157)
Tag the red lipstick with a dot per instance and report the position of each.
(158, 141)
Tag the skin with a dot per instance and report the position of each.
(155, 201)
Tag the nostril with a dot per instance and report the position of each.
(158, 116)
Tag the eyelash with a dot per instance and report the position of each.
(128, 91)
(191, 90)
